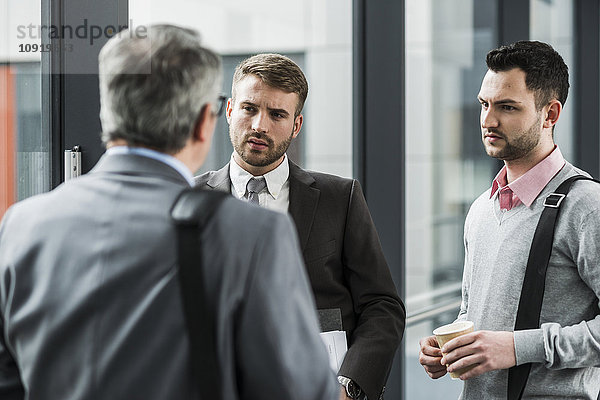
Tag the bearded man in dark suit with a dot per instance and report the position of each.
(343, 256)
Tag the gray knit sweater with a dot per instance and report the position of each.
(565, 351)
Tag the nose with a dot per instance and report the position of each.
(488, 119)
(260, 122)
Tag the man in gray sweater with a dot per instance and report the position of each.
(522, 96)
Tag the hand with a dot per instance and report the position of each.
(343, 395)
(489, 350)
(430, 357)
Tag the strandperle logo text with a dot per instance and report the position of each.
(81, 31)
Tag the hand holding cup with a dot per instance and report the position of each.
(445, 333)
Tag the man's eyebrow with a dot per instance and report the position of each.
(507, 101)
(248, 103)
(501, 101)
(279, 111)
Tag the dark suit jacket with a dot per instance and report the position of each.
(346, 267)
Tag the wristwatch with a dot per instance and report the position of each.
(352, 389)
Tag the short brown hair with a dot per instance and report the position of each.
(276, 71)
(546, 73)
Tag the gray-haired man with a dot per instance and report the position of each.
(89, 297)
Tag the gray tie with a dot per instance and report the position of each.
(254, 187)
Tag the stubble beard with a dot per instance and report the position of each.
(516, 148)
(258, 158)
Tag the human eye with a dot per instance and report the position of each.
(506, 107)
(248, 108)
(277, 115)
(484, 104)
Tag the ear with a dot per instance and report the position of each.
(552, 113)
(205, 125)
(228, 110)
(297, 125)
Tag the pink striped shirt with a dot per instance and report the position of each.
(527, 187)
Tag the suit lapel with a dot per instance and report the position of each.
(220, 180)
(304, 198)
(303, 201)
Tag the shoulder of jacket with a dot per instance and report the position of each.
(202, 179)
(330, 181)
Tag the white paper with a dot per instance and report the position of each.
(335, 342)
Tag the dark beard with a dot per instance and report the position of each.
(269, 157)
(518, 147)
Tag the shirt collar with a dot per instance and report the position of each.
(528, 186)
(155, 155)
(275, 179)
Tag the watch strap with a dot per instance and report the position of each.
(352, 389)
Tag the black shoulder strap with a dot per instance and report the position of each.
(191, 212)
(532, 293)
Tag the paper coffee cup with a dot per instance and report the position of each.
(445, 333)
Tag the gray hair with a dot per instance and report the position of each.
(153, 87)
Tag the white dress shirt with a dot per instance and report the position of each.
(276, 196)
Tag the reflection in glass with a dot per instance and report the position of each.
(32, 144)
(24, 146)
(446, 166)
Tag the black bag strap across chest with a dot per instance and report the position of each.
(532, 292)
(191, 212)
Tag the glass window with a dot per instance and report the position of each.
(316, 34)
(446, 166)
(552, 22)
(24, 147)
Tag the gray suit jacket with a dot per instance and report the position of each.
(90, 302)
(346, 268)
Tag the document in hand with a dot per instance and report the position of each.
(336, 344)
